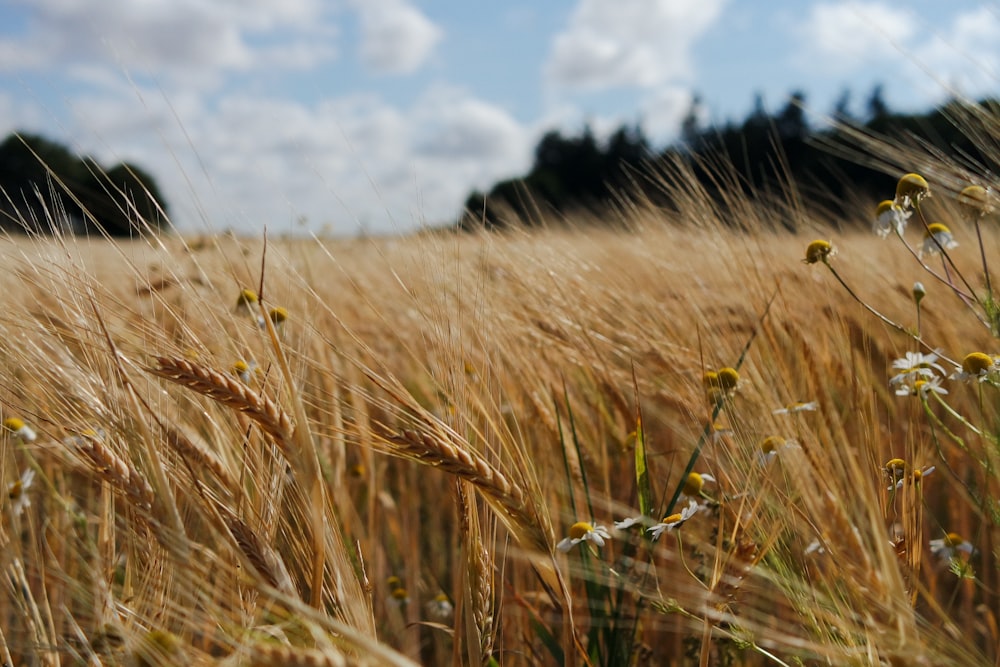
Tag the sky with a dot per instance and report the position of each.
(380, 116)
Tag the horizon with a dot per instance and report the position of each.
(381, 116)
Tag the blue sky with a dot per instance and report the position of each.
(339, 115)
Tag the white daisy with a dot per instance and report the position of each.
(674, 520)
(18, 492)
(916, 477)
(19, 429)
(888, 218)
(977, 366)
(440, 608)
(581, 531)
(922, 387)
(811, 406)
(916, 365)
(937, 237)
(946, 547)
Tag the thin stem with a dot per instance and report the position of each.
(982, 255)
(944, 254)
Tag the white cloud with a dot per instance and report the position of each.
(839, 37)
(173, 37)
(630, 43)
(241, 161)
(396, 38)
(966, 56)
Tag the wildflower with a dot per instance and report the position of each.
(919, 292)
(937, 237)
(674, 520)
(246, 300)
(278, 315)
(811, 406)
(922, 388)
(914, 366)
(910, 189)
(440, 607)
(581, 531)
(627, 523)
(695, 482)
(243, 370)
(888, 218)
(916, 476)
(769, 447)
(399, 597)
(974, 202)
(814, 547)
(975, 366)
(728, 378)
(17, 492)
(818, 251)
(19, 429)
(946, 547)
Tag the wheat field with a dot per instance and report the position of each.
(223, 450)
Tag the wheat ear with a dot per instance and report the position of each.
(503, 495)
(232, 393)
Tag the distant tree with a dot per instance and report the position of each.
(842, 108)
(791, 121)
(878, 110)
(691, 124)
(45, 184)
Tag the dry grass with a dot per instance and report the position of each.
(441, 409)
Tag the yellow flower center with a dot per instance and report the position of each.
(771, 443)
(673, 518)
(399, 593)
(15, 490)
(694, 484)
(953, 539)
(818, 251)
(247, 297)
(278, 315)
(393, 582)
(936, 228)
(579, 529)
(13, 423)
(976, 363)
(895, 464)
(728, 378)
(974, 201)
(912, 186)
(710, 379)
(884, 207)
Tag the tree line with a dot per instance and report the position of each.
(44, 186)
(761, 154)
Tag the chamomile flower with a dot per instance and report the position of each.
(627, 523)
(244, 370)
(974, 202)
(768, 448)
(674, 520)
(946, 547)
(811, 406)
(937, 237)
(17, 492)
(19, 429)
(814, 547)
(910, 189)
(246, 300)
(278, 316)
(440, 608)
(399, 597)
(888, 218)
(916, 365)
(581, 531)
(922, 387)
(976, 366)
(695, 483)
(916, 476)
(818, 251)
